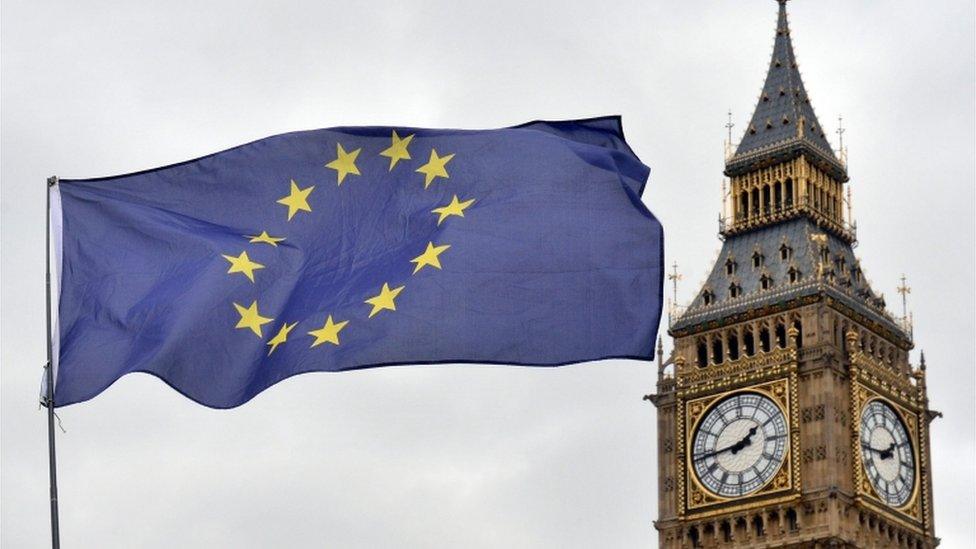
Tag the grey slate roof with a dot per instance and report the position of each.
(784, 116)
(839, 278)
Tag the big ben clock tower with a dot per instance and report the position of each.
(792, 416)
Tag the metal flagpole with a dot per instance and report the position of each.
(55, 537)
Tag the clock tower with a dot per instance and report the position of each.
(789, 414)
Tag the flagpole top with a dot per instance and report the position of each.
(52, 181)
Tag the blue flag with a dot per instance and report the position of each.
(350, 248)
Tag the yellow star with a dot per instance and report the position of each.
(328, 333)
(456, 207)
(243, 264)
(435, 167)
(429, 257)
(250, 318)
(345, 164)
(264, 237)
(384, 300)
(281, 336)
(398, 150)
(296, 200)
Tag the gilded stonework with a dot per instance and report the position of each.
(787, 338)
(911, 512)
(698, 498)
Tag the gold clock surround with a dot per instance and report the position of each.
(783, 486)
(863, 395)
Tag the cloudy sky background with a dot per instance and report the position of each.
(472, 456)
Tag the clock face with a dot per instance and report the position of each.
(739, 445)
(886, 450)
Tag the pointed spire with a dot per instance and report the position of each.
(784, 119)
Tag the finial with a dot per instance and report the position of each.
(904, 290)
(729, 125)
(921, 360)
(840, 141)
(674, 276)
(794, 335)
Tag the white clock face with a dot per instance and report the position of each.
(739, 444)
(886, 450)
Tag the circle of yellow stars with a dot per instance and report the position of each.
(297, 201)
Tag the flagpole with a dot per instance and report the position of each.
(55, 537)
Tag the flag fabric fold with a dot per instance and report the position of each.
(347, 248)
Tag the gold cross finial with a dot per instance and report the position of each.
(674, 276)
(904, 290)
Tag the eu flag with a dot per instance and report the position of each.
(348, 248)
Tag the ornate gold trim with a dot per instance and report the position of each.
(861, 396)
(693, 495)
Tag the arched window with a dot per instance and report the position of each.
(764, 339)
(794, 275)
(726, 529)
(755, 203)
(778, 196)
(730, 267)
(693, 537)
(733, 345)
(708, 297)
(743, 205)
(734, 290)
(749, 342)
(789, 193)
(702, 359)
(757, 526)
(791, 521)
(785, 252)
(781, 335)
(717, 350)
(765, 282)
(757, 259)
(765, 200)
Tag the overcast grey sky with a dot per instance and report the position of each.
(442, 456)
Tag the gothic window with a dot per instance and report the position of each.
(708, 297)
(764, 339)
(735, 290)
(781, 335)
(726, 529)
(733, 344)
(730, 267)
(794, 275)
(791, 521)
(757, 260)
(749, 342)
(743, 205)
(778, 196)
(766, 199)
(702, 354)
(765, 282)
(789, 193)
(785, 252)
(717, 351)
(755, 203)
(757, 526)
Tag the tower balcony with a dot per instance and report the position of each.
(768, 214)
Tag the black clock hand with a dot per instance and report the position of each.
(746, 441)
(888, 452)
(885, 453)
